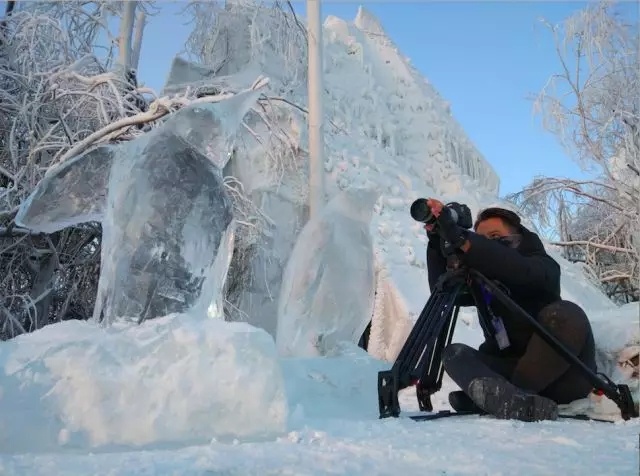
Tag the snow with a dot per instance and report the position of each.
(304, 415)
(465, 446)
(333, 428)
(328, 285)
(76, 386)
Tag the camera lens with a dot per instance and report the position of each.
(421, 212)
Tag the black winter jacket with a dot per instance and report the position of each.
(528, 272)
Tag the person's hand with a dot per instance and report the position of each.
(436, 207)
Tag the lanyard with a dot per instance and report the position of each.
(486, 295)
(500, 334)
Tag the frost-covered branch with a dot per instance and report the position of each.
(592, 244)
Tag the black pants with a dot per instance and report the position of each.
(540, 370)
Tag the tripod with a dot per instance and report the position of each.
(419, 362)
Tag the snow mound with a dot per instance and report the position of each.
(175, 379)
(617, 335)
(334, 429)
(340, 386)
(617, 328)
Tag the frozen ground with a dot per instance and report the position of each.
(464, 446)
(193, 397)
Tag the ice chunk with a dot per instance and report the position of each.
(179, 379)
(617, 338)
(167, 220)
(70, 193)
(211, 128)
(206, 80)
(328, 284)
(183, 73)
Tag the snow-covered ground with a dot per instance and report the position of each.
(168, 392)
(184, 395)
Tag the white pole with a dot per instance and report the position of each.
(315, 90)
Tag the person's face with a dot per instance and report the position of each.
(497, 229)
(493, 228)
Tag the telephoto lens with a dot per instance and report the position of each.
(421, 212)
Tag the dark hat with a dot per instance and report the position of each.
(495, 212)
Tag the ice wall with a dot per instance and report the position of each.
(455, 144)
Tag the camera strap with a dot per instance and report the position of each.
(498, 324)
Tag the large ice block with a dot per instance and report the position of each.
(329, 282)
(167, 220)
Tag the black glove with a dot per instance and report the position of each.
(449, 229)
(464, 219)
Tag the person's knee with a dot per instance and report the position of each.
(564, 316)
(454, 352)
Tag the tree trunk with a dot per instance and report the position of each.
(126, 32)
(137, 39)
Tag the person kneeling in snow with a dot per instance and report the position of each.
(513, 374)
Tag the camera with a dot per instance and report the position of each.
(460, 214)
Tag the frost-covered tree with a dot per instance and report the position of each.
(592, 105)
(59, 95)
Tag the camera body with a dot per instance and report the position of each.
(458, 213)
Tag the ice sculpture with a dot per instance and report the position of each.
(167, 222)
(328, 285)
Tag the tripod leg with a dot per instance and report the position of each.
(431, 378)
(414, 346)
(425, 344)
(392, 381)
(409, 364)
(429, 369)
(447, 340)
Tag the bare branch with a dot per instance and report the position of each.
(615, 249)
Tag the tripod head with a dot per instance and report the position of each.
(451, 255)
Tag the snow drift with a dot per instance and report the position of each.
(176, 379)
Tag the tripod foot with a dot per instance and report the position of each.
(625, 402)
(388, 403)
(424, 398)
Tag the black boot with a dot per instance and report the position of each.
(461, 402)
(505, 401)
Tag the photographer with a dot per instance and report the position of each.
(514, 374)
